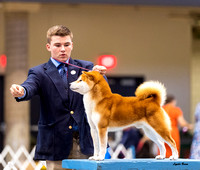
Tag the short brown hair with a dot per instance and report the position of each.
(58, 30)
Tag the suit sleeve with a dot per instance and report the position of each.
(31, 85)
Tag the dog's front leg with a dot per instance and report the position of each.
(103, 139)
(94, 134)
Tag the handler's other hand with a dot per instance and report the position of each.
(101, 69)
(17, 90)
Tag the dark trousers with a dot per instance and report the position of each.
(75, 153)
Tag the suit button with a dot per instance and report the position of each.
(71, 112)
(70, 127)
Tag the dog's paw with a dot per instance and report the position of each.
(96, 158)
(173, 157)
(92, 157)
(100, 158)
(159, 157)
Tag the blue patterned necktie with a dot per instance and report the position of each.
(63, 75)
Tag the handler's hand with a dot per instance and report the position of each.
(17, 90)
(101, 69)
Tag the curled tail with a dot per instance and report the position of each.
(153, 89)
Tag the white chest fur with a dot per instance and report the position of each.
(89, 103)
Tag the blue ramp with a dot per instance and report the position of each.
(132, 164)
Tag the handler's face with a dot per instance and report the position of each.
(60, 47)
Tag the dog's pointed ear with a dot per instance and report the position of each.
(89, 75)
(84, 72)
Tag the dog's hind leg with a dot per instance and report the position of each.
(170, 141)
(153, 135)
(163, 134)
(172, 145)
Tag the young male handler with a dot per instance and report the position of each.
(63, 130)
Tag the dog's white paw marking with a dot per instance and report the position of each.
(159, 157)
(92, 158)
(100, 158)
(173, 157)
(96, 158)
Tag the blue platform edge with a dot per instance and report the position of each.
(132, 164)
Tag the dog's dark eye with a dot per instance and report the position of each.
(80, 80)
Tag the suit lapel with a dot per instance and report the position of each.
(52, 72)
(73, 74)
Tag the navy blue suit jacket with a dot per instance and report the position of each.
(55, 139)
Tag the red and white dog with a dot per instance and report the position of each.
(107, 111)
